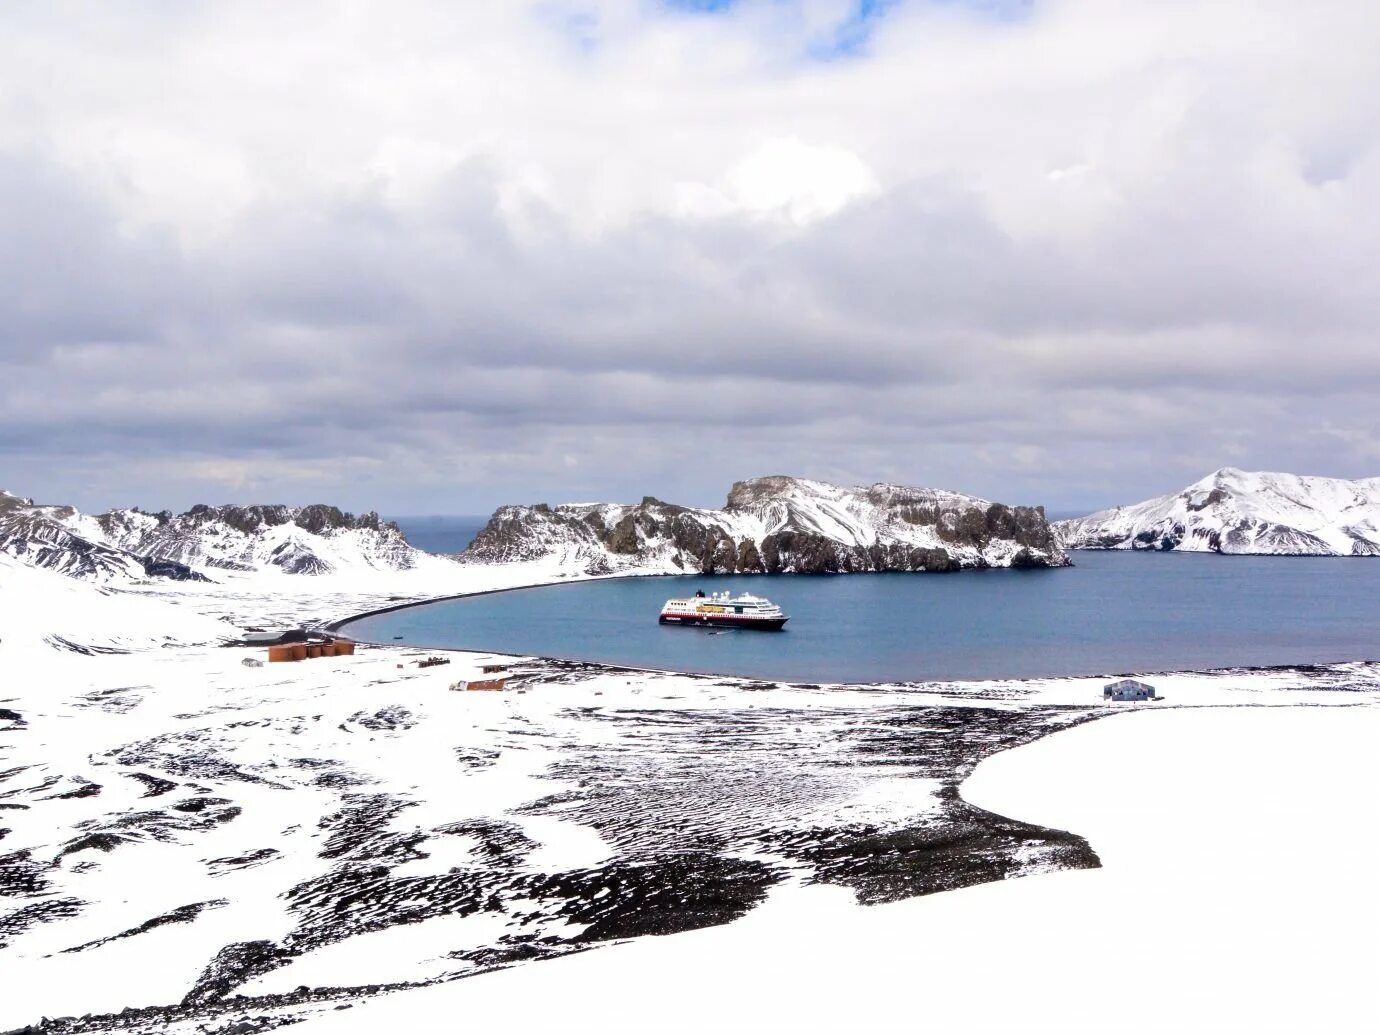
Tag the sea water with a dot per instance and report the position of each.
(1112, 612)
(446, 534)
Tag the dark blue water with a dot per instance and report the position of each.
(1113, 612)
(441, 534)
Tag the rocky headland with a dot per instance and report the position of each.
(777, 524)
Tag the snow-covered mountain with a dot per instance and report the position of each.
(777, 524)
(1242, 512)
(204, 542)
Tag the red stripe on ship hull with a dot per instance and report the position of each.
(747, 620)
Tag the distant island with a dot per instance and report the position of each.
(1242, 512)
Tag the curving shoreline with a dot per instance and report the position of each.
(798, 663)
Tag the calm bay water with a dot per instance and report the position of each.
(1112, 612)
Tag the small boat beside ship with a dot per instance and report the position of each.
(721, 610)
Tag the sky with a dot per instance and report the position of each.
(433, 258)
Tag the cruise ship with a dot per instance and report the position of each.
(744, 611)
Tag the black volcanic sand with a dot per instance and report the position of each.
(688, 801)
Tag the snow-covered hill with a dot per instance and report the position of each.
(205, 543)
(777, 524)
(1242, 512)
(43, 609)
(63, 540)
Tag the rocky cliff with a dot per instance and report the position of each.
(129, 545)
(776, 524)
(1242, 512)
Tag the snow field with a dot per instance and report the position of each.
(1235, 897)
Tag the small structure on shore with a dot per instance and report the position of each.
(479, 684)
(324, 648)
(1128, 690)
(271, 637)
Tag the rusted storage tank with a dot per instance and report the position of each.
(344, 648)
(313, 650)
(281, 652)
(299, 652)
(328, 649)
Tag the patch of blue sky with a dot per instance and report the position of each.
(1000, 10)
(851, 35)
(577, 26)
(702, 6)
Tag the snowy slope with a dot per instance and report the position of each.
(183, 830)
(1233, 898)
(44, 609)
(63, 540)
(205, 543)
(777, 524)
(311, 540)
(1242, 512)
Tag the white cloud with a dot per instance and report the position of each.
(980, 251)
(785, 179)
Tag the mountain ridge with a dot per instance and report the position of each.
(776, 523)
(130, 544)
(1232, 511)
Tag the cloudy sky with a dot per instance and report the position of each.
(431, 258)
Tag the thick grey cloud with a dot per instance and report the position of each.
(432, 260)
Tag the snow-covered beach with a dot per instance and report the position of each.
(183, 830)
